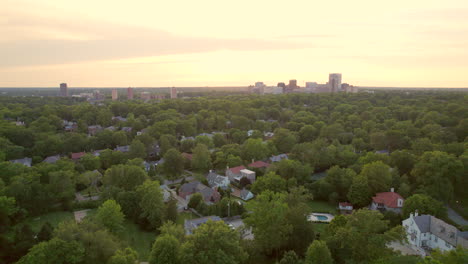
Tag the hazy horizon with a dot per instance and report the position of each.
(212, 43)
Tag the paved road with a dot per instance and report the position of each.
(454, 216)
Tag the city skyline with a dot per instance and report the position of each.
(118, 44)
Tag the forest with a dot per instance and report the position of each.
(123, 163)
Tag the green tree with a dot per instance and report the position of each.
(290, 257)
(254, 149)
(46, 232)
(166, 250)
(173, 165)
(171, 210)
(424, 204)
(436, 173)
(318, 253)
(213, 242)
(151, 203)
(90, 162)
(361, 237)
(126, 177)
(110, 215)
(55, 251)
(137, 150)
(359, 194)
(270, 181)
(195, 200)
(284, 140)
(292, 169)
(268, 220)
(127, 256)
(173, 229)
(378, 176)
(201, 159)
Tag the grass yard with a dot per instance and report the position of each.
(54, 218)
(139, 240)
(322, 207)
(320, 228)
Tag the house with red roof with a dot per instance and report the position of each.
(77, 155)
(259, 165)
(387, 201)
(345, 208)
(187, 156)
(237, 173)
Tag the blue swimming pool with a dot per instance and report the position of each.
(321, 217)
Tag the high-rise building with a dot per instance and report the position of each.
(63, 89)
(311, 87)
(334, 80)
(291, 86)
(129, 93)
(115, 94)
(173, 93)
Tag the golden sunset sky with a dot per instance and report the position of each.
(153, 43)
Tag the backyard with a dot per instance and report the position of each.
(322, 207)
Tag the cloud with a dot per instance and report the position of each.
(33, 40)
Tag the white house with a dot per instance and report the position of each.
(215, 180)
(248, 174)
(428, 232)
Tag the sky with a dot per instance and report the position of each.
(158, 43)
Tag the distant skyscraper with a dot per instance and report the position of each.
(334, 80)
(115, 95)
(63, 89)
(129, 93)
(291, 86)
(173, 93)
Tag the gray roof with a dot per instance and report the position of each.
(244, 194)
(189, 187)
(215, 179)
(52, 159)
(423, 222)
(278, 157)
(122, 148)
(192, 224)
(25, 161)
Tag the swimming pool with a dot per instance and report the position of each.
(321, 217)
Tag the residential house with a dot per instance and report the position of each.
(191, 225)
(122, 148)
(52, 159)
(239, 172)
(111, 128)
(97, 153)
(69, 126)
(93, 130)
(119, 118)
(268, 135)
(428, 232)
(217, 181)
(78, 155)
(127, 129)
(278, 158)
(187, 138)
(248, 174)
(387, 201)
(206, 134)
(24, 161)
(345, 208)
(187, 156)
(246, 194)
(259, 165)
(149, 164)
(209, 195)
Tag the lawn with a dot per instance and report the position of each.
(322, 207)
(139, 240)
(54, 218)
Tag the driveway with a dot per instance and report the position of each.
(454, 216)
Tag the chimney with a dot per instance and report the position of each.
(392, 189)
(253, 160)
(416, 213)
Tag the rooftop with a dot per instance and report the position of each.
(389, 199)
